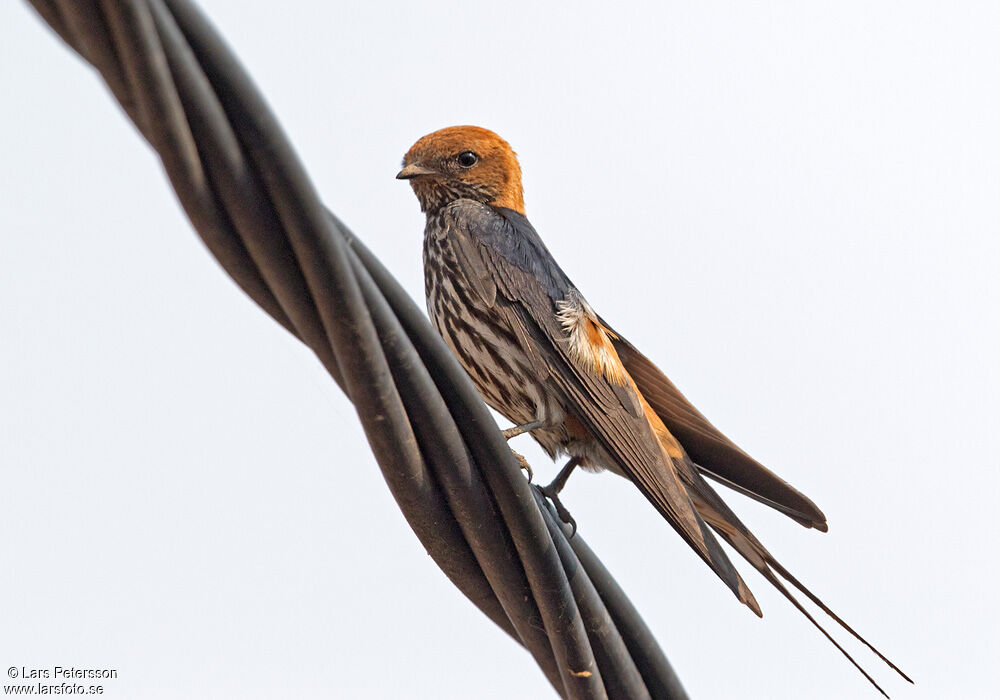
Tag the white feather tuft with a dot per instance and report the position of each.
(588, 340)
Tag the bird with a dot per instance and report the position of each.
(541, 356)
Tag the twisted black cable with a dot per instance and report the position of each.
(438, 447)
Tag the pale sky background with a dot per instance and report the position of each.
(791, 207)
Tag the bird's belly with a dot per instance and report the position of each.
(499, 368)
(489, 350)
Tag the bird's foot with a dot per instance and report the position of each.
(552, 493)
(524, 464)
(522, 429)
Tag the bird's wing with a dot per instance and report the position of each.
(715, 454)
(537, 298)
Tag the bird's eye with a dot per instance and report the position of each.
(467, 159)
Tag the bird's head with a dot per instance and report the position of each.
(463, 162)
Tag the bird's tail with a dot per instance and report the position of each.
(722, 519)
(662, 403)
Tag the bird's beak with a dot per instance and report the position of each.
(413, 170)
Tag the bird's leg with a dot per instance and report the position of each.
(551, 492)
(521, 429)
(524, 464)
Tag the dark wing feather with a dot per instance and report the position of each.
(528, 284)
(715, 454)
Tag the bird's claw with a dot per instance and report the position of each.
(553, 495)
(524, 464)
